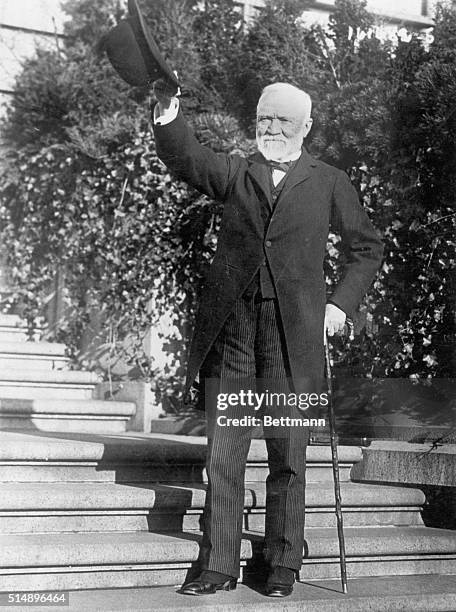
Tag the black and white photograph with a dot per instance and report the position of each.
(227, 305)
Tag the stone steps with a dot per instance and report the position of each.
(39, 393)
(103, 560)
(133, 457)
(19, 355)
(70, 415)
(46, 384)
(123, 510)
(13, 328)
(60, 507)
(379, 594)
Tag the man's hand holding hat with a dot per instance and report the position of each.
(168, 105)
(164, 94)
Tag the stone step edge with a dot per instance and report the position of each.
(10, 377)
(165, 510)
(11, 319)
(386, 603)
(36, 418)
(101, 548)
(180, 508)
(83, 407)
(32, 349)
(245, 556)
(151, 463)
(88, 496)
(34, 362)
(135, 446)
(415, 594)
(184, 564)
(185, 473)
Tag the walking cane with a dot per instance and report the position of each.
(335, 464)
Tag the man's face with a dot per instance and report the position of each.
(282, 125)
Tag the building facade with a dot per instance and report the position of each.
(27, 23)
(391, 14)
(24, 24)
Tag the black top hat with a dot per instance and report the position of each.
(133, 52)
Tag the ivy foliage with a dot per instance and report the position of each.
(84, 194)
(82, 190)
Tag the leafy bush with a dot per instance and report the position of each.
(84, 194)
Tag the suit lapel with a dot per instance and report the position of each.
(298, 174)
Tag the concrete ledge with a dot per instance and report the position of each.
(67, 549)
(408, 463)
(11, 320)
(133, 446)
(57, 377)
(130, 446)
(69, 415)
(70, 407)
(72, 496)
(173, 520)
(27, 551)
(13, 334)
(65, 423)
(26, 356)
(383, 594)
(28, 383)
(53, 349)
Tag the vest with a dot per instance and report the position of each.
(262, 285)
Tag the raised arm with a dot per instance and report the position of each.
(209, 172)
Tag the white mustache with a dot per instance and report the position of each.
(274, 140)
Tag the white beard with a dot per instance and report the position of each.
(278, 148)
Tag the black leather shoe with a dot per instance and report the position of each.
(280, 582)
(200, 587)
(279, 590)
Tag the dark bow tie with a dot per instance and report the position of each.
(283, 166)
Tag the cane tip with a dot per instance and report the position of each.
(344, 589)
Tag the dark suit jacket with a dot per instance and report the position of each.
(315, 195)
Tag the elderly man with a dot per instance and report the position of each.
(264, 312)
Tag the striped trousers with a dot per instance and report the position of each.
(250, 353)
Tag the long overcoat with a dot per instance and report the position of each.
(315, 197)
